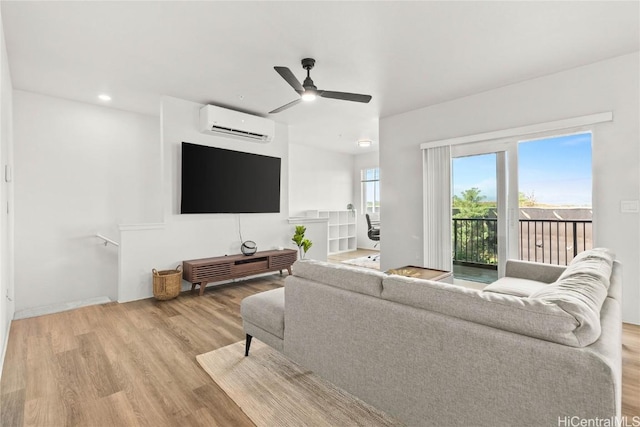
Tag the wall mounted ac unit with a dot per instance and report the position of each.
(221, 121)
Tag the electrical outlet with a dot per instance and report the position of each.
(629, 206)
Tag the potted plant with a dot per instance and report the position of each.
(303, 244)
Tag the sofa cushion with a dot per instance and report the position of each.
(545, 273)
(526, 316)
(581, 290)
(597, 262)
(362, 280)
(515, 286)
(265, 310)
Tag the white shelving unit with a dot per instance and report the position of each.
(341, 227)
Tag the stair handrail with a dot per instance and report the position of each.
(107, 240)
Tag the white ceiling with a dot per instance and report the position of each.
(406, 55)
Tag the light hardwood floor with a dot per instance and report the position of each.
(125, 364)
(134, 363)
(343, 256)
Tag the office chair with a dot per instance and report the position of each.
(374, 234)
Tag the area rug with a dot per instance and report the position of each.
(274, 391)
(364, 261)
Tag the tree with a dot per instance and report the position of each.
(471, 204)
(474, 233)
(526, 200)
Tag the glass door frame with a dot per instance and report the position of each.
(506, 152)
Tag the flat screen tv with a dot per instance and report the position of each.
(215, 180)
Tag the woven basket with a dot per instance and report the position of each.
(167, 283)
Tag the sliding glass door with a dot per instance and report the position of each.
(519, 199)
(475, 217)
(480, 207)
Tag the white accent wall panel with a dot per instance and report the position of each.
(79, 169)
(320, 179)
(182, 237)
(6, 198)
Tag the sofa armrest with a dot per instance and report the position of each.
(546, 273)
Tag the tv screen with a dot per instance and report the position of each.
(215, 180)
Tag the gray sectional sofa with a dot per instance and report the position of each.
(541, 344)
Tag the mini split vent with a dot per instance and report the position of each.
(221, 121)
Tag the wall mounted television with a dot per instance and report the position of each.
(215, 180)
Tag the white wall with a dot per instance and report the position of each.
(320, 179)
(611, 85)
(6, 197)
(79, 169)
(184, 237)
(363, 161)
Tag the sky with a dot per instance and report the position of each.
(557, 171)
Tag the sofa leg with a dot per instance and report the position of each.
(247, 345)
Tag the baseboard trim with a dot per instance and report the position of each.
(57, 308)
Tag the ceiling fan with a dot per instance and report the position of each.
(308, 91)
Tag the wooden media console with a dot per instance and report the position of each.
(206, 270)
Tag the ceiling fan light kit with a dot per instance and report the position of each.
(308, 90)
(309, 95)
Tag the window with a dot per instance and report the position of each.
(370, 181)
(555, 187)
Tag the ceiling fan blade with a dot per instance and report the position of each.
(345, 96)
(284, 107)
(286, 74)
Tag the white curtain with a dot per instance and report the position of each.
(437, 207)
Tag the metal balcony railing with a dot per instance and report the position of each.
(475, 240)
(554, 241)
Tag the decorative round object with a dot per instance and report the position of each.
(249, 247)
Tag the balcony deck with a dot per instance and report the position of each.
(474, 274)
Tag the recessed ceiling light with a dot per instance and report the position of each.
(364, 143)
(104, 97)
